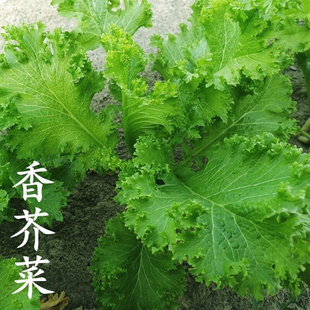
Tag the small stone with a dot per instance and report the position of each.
(294, 68)
(304, 140)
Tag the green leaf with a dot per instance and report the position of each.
(227, 44)
(269, 109)
(241, 220)
(186, 60)
(124, 59)
(3, 199)
(290, 32)
(217, 49)
(129, 276)
(305, 274)
(144, 111)
(6, 192)
(95, 16)
(292, 36)
(9, 272)
(54, 196)
(47, 84)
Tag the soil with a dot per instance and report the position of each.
(302, 113)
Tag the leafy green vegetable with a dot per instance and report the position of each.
(53, 195)
(143, 111)
(95, 16)
(242, 203)
(46, 89)
(269, 109)
(229, 46)
(47, 84)
(9, 272)
(134, 278)
(211, 183)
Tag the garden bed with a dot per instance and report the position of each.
(90, 205)
(70, 250)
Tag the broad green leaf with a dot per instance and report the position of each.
(95, 16)
(293, 37)
(269, 109)
(54, 196)
(292, 32)
(241, 220)
(9, 272)
(129, 276)
(47, 84)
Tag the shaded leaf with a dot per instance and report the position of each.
(129, 276)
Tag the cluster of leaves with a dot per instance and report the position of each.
(9, 272)
(212, 180)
